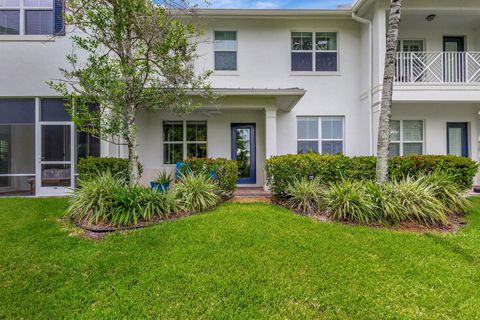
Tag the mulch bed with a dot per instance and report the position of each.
(98, 231)
(455, 221)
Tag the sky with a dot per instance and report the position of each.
(276, 4)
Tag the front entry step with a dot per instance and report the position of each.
(251, 194)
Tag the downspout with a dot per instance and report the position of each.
(370, 73)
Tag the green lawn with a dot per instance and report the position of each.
(242, 261)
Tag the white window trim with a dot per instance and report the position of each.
(184, 141)
(320, 138)
(22, 32)
(401, 142)
(412, 39)
(225, 72)
(314, 72)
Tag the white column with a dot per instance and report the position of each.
(38, 147)
(270, 132)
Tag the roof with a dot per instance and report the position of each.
(225, 13)
(285, 98)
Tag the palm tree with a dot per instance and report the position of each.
(388, 77)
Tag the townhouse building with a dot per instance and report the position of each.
(286, 81)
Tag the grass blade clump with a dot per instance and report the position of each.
(93, 199)
(305, 195)
(420, 202)
(447, 191)
(196, 192)
(348, 201)
(385, 202)
(110, 200)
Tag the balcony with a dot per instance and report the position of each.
(437, 68)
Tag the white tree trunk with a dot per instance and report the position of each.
(388, 78)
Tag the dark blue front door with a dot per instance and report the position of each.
(457, 139)
(243, 151)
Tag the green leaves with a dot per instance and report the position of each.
(225, 172)
(107, 199)
(130, 55)
(305, 195)
(196, 192)
(284, 170)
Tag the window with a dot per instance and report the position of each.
(31, 17)
(39, 22)
(184, 139)
(9, 22)
(314, 51)
(54, 110)
(406, 137)
(320, 134)
(410, 45)
(225, 47)
(87, 145)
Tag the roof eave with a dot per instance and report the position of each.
(223, 13)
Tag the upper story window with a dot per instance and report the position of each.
(314, 51)
(410, 45)
(320, 134)
(406, 137)
(9, 17)
(31, 17)
(225, 47)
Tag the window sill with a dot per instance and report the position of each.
(316, 73)
(226, 73)
(27, 38)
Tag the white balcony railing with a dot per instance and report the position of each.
(438, 67)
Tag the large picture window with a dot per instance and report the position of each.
(184, 139)
(314, 51)
(320, 134)
(225, 47)
(406, 137)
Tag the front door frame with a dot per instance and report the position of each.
(465, 141)
(253, 154)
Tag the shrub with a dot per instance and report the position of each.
(92, 167)
(447, 191)
(223, 171)
(427, 200)
(305, 195)
(421, 205)
(347, 200)
(389, 207)
(107, 199)
(462, 170)
(130, 204)
(196, 191)
(93, 199)
(283, 170)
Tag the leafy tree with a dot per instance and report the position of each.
(387, 92)
(130, 55)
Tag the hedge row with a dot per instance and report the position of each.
(91, 167)
(283, 170)
(223, 170)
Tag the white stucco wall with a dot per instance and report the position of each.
(218, 138)
(436, 116)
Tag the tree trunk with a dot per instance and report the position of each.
(388, 78)
(133, 163)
